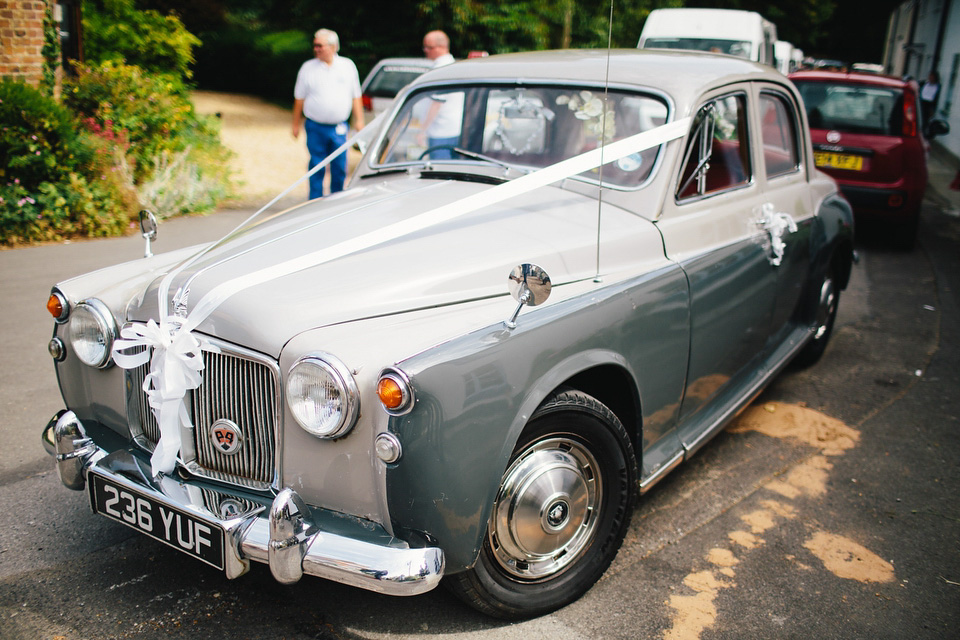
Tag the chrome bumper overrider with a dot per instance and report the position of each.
(283, 536)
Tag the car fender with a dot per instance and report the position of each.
(475, 394)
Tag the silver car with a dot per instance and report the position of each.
(470, 363)
(386, 79)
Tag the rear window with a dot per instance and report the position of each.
(853, 108)
(739, 48)
(391, 78)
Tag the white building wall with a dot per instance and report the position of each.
(948, 106)
(898, 36)
(911, 49)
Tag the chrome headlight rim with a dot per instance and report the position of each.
(107, 328)
(346, 385)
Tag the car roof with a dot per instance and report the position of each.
(408, 62)
(850, 77)
(684, 75)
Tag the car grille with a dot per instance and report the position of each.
(239, 387)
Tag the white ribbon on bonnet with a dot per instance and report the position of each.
(177, 362)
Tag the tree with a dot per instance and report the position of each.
(115, 30)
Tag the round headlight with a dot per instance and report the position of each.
(323, 396)
(92, 331)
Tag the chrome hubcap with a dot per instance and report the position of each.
(546, 512)
(826, 308)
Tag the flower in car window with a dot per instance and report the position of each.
(597, 121)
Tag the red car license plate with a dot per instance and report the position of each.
(838, 160)
(179, 529)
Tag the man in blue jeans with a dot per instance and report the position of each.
(326, 92)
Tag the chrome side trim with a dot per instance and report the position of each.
(647, 483)
(283, 536)
(797, 340)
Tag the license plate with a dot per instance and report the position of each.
(177, 528)
(838, 160)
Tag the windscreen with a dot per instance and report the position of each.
(528, 127)
(739, 48)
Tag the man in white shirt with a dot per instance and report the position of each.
(446, 113)
(326, 92)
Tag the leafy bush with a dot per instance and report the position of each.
(152, 111)
(241, 58)
(56, 179)
(37, 135)
(114, 30)
(170, 147)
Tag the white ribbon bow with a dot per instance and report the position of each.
(175, 366)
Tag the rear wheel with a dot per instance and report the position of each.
(827, 302)
(561, 512)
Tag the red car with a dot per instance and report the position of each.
(867, 135)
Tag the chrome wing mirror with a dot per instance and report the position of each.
(148, 229)
(529, 285)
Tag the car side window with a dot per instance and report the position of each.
(718, 154)
(781, 151)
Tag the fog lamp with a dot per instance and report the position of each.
(388, 448)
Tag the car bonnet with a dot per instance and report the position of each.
(464, 259)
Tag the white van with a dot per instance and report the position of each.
(783, 51)
(745, 34)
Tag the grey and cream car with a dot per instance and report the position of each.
(469, 363)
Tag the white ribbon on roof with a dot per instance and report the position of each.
(176, 364)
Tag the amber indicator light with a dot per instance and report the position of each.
(391, 395)
(54, 306)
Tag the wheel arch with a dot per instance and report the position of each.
(831, 251)
(614, 386)
(603, 374)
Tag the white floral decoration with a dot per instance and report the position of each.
(597, 121)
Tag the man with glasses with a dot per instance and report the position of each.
(326, 92)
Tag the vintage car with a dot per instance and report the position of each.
(347, 389)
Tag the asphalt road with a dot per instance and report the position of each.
(828, 511)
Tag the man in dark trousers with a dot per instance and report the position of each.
(326, 92)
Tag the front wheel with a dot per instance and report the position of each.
(561, 512)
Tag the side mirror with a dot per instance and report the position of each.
(148, 229)
(938, 127)
(529, 285)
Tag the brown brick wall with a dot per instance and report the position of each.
(21, 39)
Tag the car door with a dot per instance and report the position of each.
(710, 229)
(787, 208)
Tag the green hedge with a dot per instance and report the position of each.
(122, 140)
(56, 178)
(249, 61)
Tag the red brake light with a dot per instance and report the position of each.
(909, 114)
(367, 102)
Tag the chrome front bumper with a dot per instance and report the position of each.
(285, 536)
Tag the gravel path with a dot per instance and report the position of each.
(267, 159)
